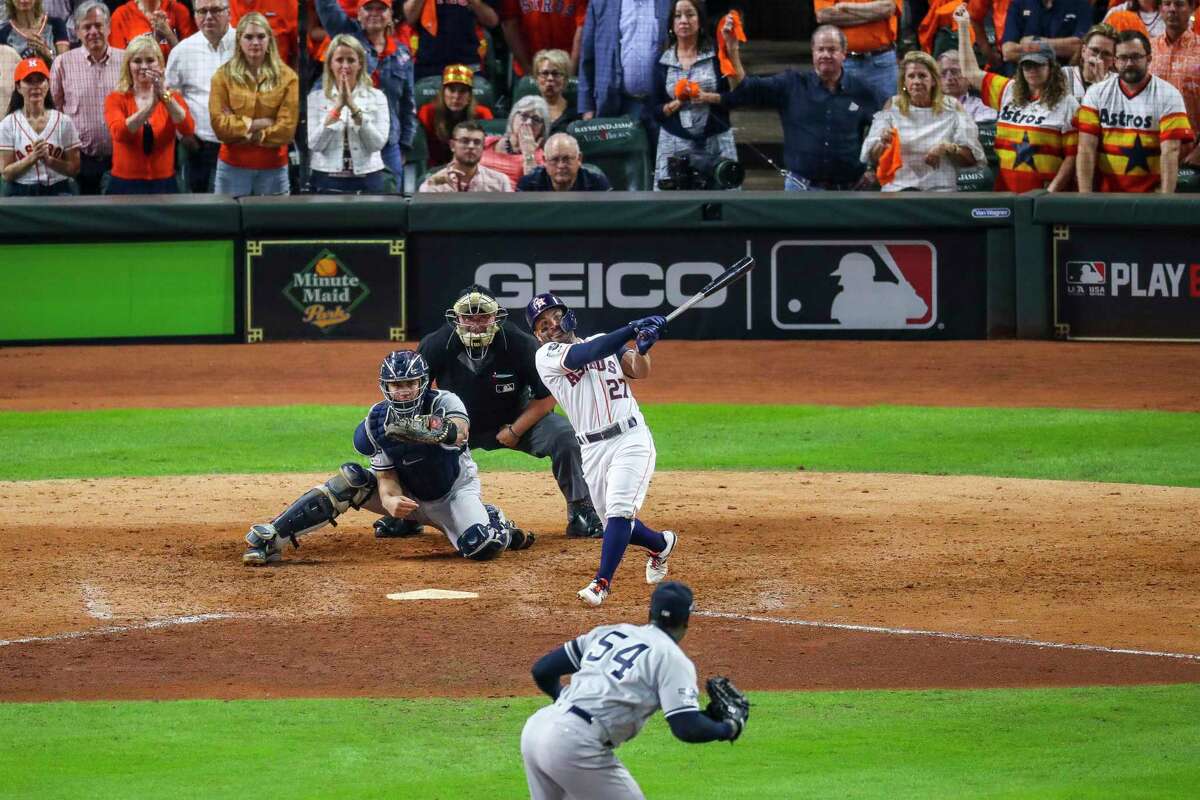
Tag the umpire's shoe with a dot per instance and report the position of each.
(583, 522)
(264, 547)
(393, 528)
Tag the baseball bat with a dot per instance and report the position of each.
(734, 273)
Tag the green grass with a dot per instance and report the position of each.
(1148, 447)
(1094, 742)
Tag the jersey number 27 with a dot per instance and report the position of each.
(626, 657)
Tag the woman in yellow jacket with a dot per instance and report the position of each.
(254, 105)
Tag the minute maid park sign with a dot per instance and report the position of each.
(325, 291)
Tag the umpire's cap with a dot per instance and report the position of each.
(671, 605)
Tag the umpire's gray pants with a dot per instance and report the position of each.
(564, 758)
(553, 436)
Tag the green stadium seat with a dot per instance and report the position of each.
(426, 91)
(528, 85)
(494, 127)
(618, 146)
(979, 178)
(1189, 181)
(417, 164)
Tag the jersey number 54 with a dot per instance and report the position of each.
(626, 657)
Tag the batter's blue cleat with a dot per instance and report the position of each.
(656, 564)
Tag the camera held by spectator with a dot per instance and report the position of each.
(701, 172)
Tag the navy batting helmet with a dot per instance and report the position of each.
(404, 365)
(544, 302)
(671, 604)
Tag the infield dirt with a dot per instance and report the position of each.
(1111, 565)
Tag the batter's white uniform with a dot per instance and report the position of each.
(626, 673)
(618, 451)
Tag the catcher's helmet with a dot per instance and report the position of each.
(476, 318)
(671, 604)
(404, 365)
(544, 302)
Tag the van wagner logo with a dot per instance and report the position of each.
(325, 291)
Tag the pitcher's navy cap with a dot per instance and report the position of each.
(671, 604)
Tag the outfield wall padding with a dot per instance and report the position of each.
(641, 250)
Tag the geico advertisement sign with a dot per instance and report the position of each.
(592, 284)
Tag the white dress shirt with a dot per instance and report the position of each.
(190, 69)
(326, 143)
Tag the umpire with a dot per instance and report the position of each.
(489, 363)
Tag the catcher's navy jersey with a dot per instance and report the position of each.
(626, 673)
(427, 472)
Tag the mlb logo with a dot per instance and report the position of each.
(1087, 273)
(854, 285)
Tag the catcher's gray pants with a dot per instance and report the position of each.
(553, 436)
(458, 509)
(564, 758)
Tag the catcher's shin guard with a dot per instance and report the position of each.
(316, 508)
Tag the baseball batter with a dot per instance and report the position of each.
(590, 380)
(420, 468)
(622, 674)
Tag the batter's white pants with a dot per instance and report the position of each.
(618, 472)
(564, 758)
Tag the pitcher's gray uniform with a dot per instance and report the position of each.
(623, 673)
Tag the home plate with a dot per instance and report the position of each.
(433, 594)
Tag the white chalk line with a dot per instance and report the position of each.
(188, 619)
(961, 637)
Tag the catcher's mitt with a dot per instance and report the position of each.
(727, 704)
(427, 429)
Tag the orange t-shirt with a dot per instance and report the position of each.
(978, 11)
(129, 160)
(871, 35)
(128, 21)
(545, 26)
(284, 17)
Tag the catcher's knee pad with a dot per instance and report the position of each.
(483, 542)
(350, 487)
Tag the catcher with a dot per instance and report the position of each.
(420, 468)
(622, 674)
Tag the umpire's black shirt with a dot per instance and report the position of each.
(494, 390)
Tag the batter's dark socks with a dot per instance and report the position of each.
(616, 539)
(647, 537)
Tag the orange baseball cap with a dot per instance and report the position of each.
(458, 73)
(362, 3)
(30, 66)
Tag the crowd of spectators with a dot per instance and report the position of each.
(161, 96)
